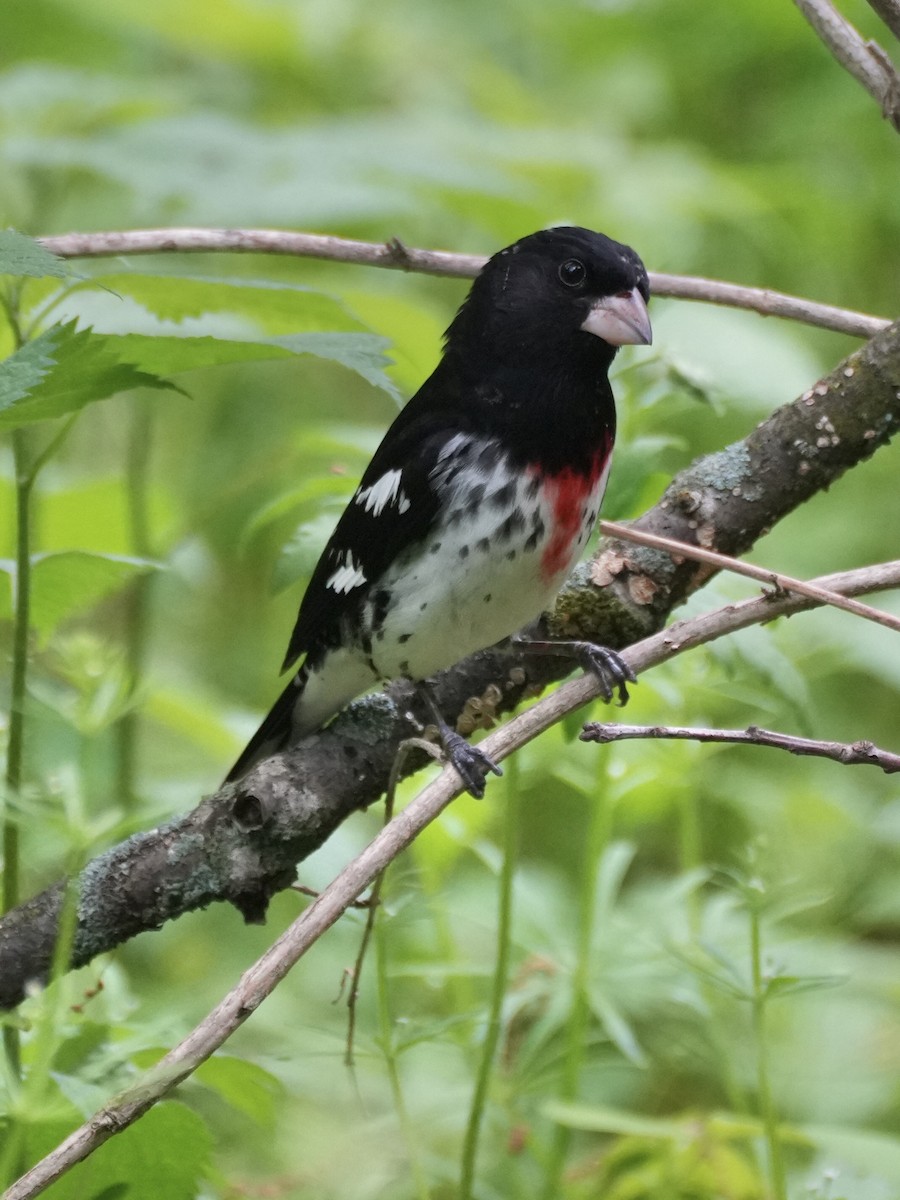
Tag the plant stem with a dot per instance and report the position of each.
(16, 741)
(599, 832)
(136, 473)
(690, 858)
(390, 1054)
(498, 985)
(763, 1082)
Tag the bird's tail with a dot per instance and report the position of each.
(276, 732)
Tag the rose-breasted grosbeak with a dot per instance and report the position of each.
(482, 495)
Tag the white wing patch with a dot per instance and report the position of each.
(349, 574)
(382, 492)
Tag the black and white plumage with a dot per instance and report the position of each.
(483, 493)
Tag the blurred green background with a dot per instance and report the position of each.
(704, 940)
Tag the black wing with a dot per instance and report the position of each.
(393, 508)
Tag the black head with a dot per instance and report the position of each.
(557, 292)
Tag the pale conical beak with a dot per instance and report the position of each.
(620, 320)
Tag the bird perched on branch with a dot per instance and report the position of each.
(481, 497)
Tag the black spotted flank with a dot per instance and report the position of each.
(487, 598)
(514, 523)
(483, 545)
(435, 546)
(486, 458)
(464, 552)
(474, 498)
(534, 486)
(503, 496)
(404, 638)
(381, 602)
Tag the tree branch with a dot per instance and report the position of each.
(725, 562)
(243, 843)
(395, 255)
(866, 61)
(889, 11)
(857, 754)
(267, 972)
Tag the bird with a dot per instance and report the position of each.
(480, 498)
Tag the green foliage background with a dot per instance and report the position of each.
(704, 941)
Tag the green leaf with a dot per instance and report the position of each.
(789, 985)
(244, 1085)
(618, 1029)
(60, 372)
(66, 582)
(169, 354)
(301, 551)
(21, 255)
(360, 352)
(166, 1153)
(184, 323)
(603, 1119)
(279, 308)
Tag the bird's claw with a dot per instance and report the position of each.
(612, 671)
(471, 764)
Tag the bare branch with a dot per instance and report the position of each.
(866, 61)
(889, 11)
(725, 562)
(394, 255)
(767, 303)
(855, 754)
(260, 980)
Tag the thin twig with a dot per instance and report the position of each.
(260, 979)
(866, 61)
(725, 562)
(767, 303)
(850, 754)
(393, 255)
(889, 11)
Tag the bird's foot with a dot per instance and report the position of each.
(471, 764)
(611, 670)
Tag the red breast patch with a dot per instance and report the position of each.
(567, 493)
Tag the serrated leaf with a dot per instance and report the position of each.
(170, 354)
(21, 255)
(278, 307)
(360, 352)
(61, 371)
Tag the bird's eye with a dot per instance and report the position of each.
(572, 272)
